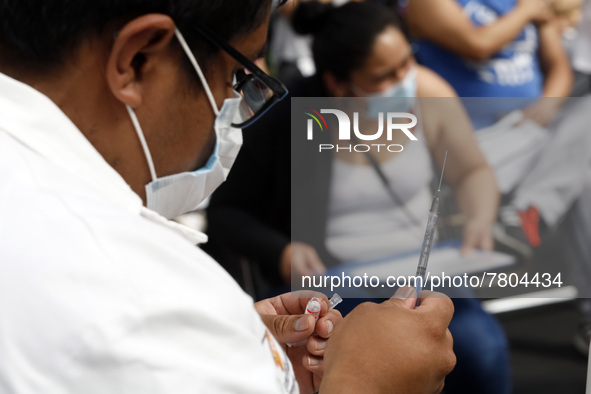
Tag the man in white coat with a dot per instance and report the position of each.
(116, 116)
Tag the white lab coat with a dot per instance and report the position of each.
(99, 295)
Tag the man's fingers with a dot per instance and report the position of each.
(289, 328)
(294, 303)
(451, 356)
(314, 364)
(449, 337)
(326, 324)
(437, 305)
(316, 345)
(406, 296)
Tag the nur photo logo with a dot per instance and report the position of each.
(388, 123)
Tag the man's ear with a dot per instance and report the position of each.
(134, 46)
(335, 87)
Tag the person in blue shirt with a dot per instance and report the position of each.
(510, 49)
(511, 53)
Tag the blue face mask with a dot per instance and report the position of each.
(176, 194)
(402, 97)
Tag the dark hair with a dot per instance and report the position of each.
(343, 36)
(40, 35)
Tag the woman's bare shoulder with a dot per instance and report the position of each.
(430, 84)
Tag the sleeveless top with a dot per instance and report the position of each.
(364, 222)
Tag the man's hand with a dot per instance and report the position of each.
(300, 259)
(391, 348)
(284, 317)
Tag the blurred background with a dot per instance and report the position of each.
(522, 182)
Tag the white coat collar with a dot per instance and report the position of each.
(33, 119)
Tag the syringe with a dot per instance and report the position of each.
(429, 234)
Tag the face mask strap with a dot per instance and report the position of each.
(140, 134)
(193, 60)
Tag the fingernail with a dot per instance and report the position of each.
(403, 293)
(329, 326)
(301, 324)
(320, 345)
(312, 361)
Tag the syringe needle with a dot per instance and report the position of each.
(442, 171)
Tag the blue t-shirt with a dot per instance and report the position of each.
(514, 71)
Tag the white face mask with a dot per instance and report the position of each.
(404, 92)
(176, 194)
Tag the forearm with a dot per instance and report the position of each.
(489, 39)
(558, 76)
(477, 195)
(558, 80)
(557, 88)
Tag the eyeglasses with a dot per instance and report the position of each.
(259, 91)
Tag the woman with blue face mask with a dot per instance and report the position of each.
(360, 51)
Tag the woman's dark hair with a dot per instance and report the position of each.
(343, 36)
(39, 35)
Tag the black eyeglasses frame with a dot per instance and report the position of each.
(279, 90)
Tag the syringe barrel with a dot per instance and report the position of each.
(427, 243)
(435, 202)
